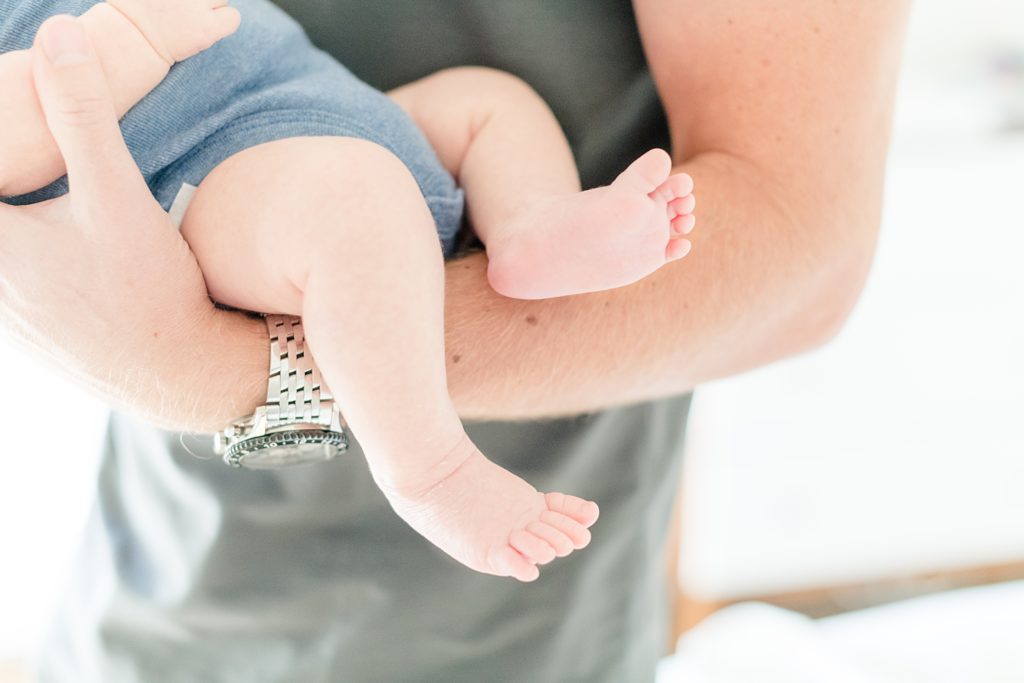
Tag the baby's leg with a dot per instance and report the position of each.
(544, 237)
(335, 229)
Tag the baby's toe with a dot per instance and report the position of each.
(577, 533)
(531, 546)
(583, 511)
(647, 172)
(683, 225)
(555, 538)
(677, 249)
(681, 206)
(678, 185)
(507, 562)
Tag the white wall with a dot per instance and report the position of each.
(48, 468)
(899, 447)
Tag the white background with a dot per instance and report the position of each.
(897, 447)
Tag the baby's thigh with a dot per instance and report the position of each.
(263, 217)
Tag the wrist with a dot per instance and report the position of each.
(217, 372)
(133, 16)
(234, 381)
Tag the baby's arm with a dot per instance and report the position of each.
(137, 42)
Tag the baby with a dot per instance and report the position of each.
(322, 197)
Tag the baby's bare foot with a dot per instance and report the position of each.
(599, 239)
(491, 520)
(179, 29)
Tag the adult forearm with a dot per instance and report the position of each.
(206, 375)
(193, 376)
(780, 254)
(761, 283)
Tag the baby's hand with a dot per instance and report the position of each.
(179, 29)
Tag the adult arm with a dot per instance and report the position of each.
(781, 116)
(781, 113)
(101, 286)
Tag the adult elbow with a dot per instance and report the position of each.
(842, 281)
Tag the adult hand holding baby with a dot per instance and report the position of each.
(99, 283)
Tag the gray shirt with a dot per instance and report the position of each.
(190, 571)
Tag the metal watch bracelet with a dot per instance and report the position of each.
(300, 421)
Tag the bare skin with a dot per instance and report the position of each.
(132, 61)
(771, 205)
(434, 477)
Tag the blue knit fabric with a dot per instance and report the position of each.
(266, 82)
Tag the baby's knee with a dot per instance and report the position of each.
(488, 87)
(348, 173)
(484, 79)
(363, 166)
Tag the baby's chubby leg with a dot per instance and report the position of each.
(545, 237)
(335, 229)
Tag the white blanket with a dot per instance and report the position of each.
(963, 636)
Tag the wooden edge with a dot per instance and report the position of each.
(13, 671)
(689, 611)
(832, 600)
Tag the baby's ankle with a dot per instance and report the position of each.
(412, 472)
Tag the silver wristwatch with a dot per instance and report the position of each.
(300, 422)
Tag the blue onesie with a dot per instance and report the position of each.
(266, 82)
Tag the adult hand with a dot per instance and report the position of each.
(99, 283)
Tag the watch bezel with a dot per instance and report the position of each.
(264, 446)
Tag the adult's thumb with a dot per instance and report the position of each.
(80, 112)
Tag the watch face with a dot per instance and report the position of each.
(286, 449)
(288, 456)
